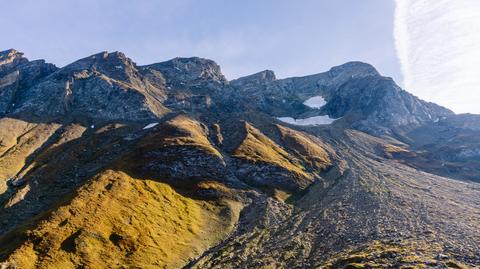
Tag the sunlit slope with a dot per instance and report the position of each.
(116, 220)
(134, 214)
(370, 213)
(18, 140)
(177, 151)
(310, 149)
(407, 254)
(180, 131)
(256, 147)
(107, 164)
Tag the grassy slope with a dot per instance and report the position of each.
(256, 147)
(180, 131)
(19, 141)
(310, 149)
(117, 220)
(379, 254)
(375, 214)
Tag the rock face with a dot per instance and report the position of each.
(110, 86)
(106, 164)
(106, 86)
(255, 80)
(190, 72)
(353, 90)
(18, 73)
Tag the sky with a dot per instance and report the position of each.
(429, 47)
(293, 38)
(438, 44)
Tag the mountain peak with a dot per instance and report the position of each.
(337, 169)
(265, 75)
(190, 71)
(262, 77)
(9, 52)
(100, 59)
(11, 56)
(354, 69)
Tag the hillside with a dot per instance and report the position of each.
(108, 164)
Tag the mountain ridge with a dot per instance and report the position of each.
(174, 152)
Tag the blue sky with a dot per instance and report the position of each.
(292, 38)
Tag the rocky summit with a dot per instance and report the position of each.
(108, 164)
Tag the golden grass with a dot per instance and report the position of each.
(10, 130)
(118, 221)
(378, 254)
(281, 195)
(213, 185)
(389, 148)
(311, 150)
(180, 131)
(256, 147)
(69, 133)
(19, 141)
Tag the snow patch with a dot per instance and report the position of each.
(151, 125)
(317, 120)
(315, 102)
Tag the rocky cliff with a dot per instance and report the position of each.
(104, 163)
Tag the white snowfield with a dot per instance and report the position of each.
(316, 102)
(317, 120)
(151, 125)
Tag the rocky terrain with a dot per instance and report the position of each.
(108, 164)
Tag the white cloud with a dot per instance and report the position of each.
(438, 45)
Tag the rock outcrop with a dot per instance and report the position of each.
(106, 86)
(104, 163)
(17, 73)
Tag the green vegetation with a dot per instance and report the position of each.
(309, 149)
(256, 147)
(378, 254)
(117, 221)
(19, 141)
(180, 131)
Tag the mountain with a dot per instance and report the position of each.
(108, 164)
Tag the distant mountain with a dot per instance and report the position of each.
(106, 164)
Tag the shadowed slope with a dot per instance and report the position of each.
(115, 220)
(105, 86)
(370, 199)
(166, 165)
(311, 149)
(265, 163)
(19, 140)
(256, 147)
